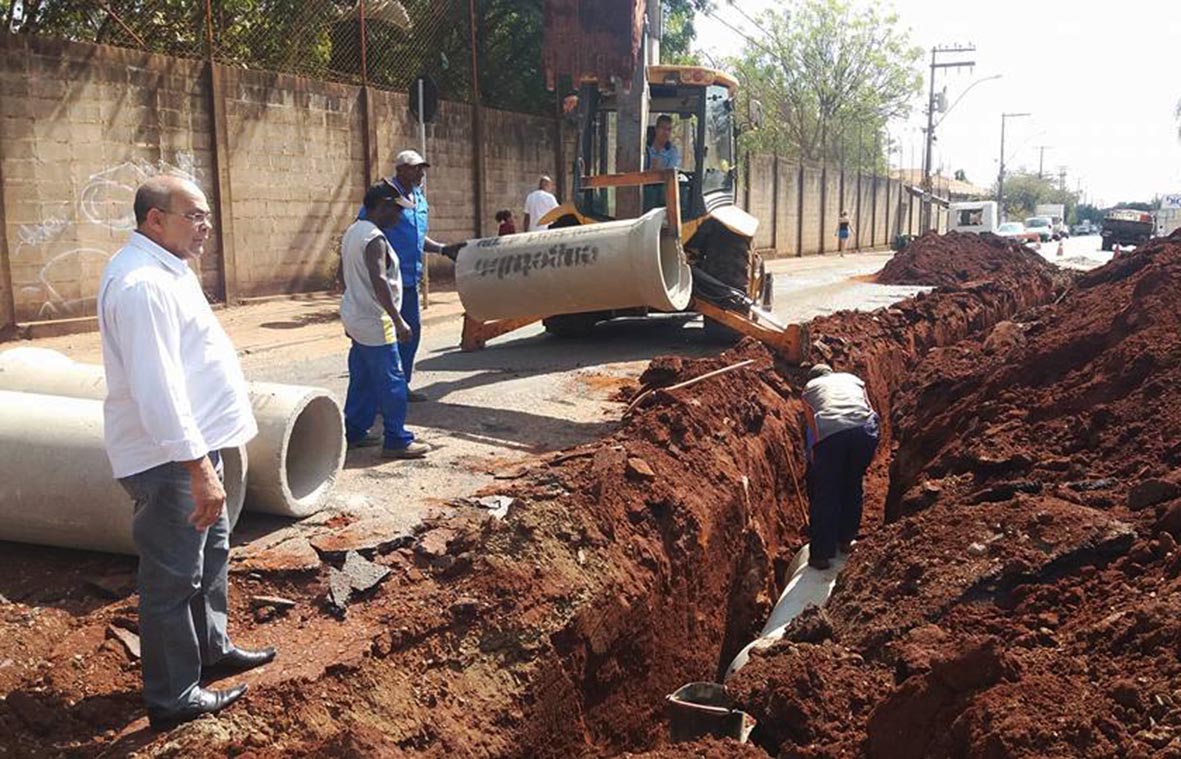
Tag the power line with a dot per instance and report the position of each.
(744, 35)
(733, 4)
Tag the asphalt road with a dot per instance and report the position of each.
(528, 393)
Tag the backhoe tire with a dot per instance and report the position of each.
(728, 260)
(571, 326)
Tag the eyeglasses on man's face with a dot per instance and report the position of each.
(194, 217)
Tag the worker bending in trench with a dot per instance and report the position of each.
(175, 398)
(841, 436)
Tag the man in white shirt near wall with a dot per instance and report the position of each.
(538, 203)
(175, 398)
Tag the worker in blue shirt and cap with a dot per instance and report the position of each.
(408, 237)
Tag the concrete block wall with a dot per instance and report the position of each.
(810, 222)
(868, 237)
(761, 176)
(523, 148)
(80, 128)
(82, 125)
(297, 173)
(787, 218)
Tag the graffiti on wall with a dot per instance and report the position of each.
(66, 284)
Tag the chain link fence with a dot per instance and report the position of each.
(383, 43)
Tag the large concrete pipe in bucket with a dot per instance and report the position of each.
(56, 486)
(805, 587)
(595, 267)
(294, 460)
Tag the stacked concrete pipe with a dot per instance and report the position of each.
(294, 460)
(55, 478)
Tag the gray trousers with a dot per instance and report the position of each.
(182, 585)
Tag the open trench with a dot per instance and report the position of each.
(623, 569)
(626, 569)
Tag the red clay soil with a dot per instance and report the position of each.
(1026, 603)
(957, 258)
(623, 570)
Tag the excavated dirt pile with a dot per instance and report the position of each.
(621, 571)
(956, 258)
(1025, 603)
(606, 577)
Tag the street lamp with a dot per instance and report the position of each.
(931, 125)
(965, 92)
(1000, 180)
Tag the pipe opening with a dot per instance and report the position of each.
(314, 449)
(674, 273)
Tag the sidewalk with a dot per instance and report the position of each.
(260, 327)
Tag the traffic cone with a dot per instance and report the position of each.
(1061, 250)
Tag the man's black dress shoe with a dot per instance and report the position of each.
(238, 660)
(208, 702)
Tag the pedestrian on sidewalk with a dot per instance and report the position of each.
(841, 435)
(407, 233)
(538, 203)
(373, 318)
(175, 398)
(844, 230)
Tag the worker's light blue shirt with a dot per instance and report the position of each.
(407, 235)
(669, 156)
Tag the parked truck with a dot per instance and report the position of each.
(1124, 226)
(1057, 214)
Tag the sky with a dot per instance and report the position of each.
(1100, 80)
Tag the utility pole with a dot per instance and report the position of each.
(1041, 159)
(1062, 178)
(1000, 180)
(953, 50)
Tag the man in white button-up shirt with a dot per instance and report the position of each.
(175, 398)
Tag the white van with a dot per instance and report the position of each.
(975, 217)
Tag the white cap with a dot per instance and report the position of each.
(410, 158)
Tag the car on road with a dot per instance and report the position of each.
(1043, 225)
(1083, 228)
(1017, 231)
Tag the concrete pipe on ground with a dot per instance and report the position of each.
(294, 460)
(56, 486)
(595, 267)
(806, 587)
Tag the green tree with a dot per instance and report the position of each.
(960, 176)
(1024, 192)
(679, 31)
(1088, 212)
(829, 77)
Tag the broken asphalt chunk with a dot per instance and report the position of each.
(112, 586)
(357, 576)
(295, 554)
(378, 535)
(129, 640)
